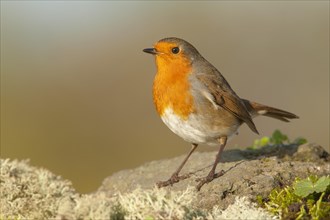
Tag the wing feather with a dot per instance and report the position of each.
(225, 97)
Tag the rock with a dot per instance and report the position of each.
(311, 153)
(29, 192)
(248, 173)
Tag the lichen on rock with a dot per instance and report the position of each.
(29, 192)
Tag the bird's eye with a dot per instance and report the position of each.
(175, 50)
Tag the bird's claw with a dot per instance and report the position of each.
(208, 178)
(175, 178)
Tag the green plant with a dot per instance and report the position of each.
(277, 138)
(311, 185)
(307, 198)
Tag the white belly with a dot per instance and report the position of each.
(193, 129)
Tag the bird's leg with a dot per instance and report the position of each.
(212, 175)
(175, 176)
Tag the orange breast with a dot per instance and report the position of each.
(171, 87)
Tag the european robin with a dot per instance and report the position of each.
(196, 102)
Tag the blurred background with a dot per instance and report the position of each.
(76, 88)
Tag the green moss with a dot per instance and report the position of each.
(117, 212)
(191, 214)
(260, 200)
(307, 198)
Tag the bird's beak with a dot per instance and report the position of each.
(150, 50)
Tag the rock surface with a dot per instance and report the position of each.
(248, 173)
(34, 193)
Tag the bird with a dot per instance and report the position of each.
(197, 103)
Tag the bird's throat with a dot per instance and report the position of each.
(171, 88)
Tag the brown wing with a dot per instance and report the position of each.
(225, 97)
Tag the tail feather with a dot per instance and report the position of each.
(259, 109)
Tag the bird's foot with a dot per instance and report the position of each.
(211, 176)
(174, 179)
